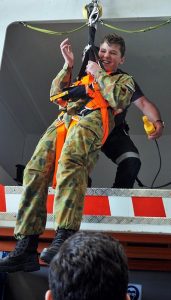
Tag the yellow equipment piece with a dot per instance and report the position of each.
(58, 96)
(148, 126)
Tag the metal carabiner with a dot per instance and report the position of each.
(94, 16)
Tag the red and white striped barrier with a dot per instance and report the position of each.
(100, 205)
(114, 208)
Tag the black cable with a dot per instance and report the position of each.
(160, 164)
(140, 183)
(166, 184)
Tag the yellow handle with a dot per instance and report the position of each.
(148, 126)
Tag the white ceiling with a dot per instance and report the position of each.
(32, 59)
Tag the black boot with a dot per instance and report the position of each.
(61, 235)
(23, 258)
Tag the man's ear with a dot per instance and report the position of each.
(48, 295)
(122, 60)
(127, 297)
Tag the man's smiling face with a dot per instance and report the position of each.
(111, 57)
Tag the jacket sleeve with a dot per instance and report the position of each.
(117, 89)
(61, 81)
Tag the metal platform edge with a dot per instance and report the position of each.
(105, 191)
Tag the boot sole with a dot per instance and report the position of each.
(23, 267)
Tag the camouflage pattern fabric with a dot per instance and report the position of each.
(31, 217)
(78, 157)
(117, 89)
(79, 154)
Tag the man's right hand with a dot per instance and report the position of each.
(67, 53)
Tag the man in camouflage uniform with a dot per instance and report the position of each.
(78, 156)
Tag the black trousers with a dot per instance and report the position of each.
(121, 150)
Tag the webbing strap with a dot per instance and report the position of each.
(99, 102)
(62, 132)
(60, 139)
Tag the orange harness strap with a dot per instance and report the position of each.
(62, 132)
(99, 102)
(60, 140)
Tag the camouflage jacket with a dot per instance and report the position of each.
(117, 89)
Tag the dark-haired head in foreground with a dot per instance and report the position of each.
(89, 266)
